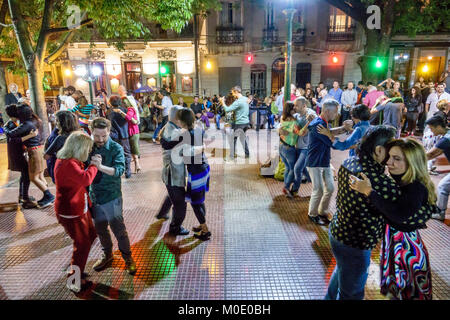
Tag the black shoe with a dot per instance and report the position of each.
(204, 236)
(27, 204)
(181, 232)
(197, 229)
(162, 216)
(316, 220)
(23, 200)
(46, 201)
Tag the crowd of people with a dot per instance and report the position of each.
(91, 147)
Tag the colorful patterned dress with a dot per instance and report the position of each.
(405, 266)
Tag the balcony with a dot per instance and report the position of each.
(341, 33)
(229, 35)
(270, 35)
(298, 37)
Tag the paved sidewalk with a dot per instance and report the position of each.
(263, 245)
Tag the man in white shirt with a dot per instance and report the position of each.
(279, 102)
(348, 101)
(434, 98)
(67, 101)
(166, 105)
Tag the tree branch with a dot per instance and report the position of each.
(64, 29)
(354, 9)
(55, 54)
(22, 34)
(43, 36)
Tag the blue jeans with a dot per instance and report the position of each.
(218, 121)
(162, 124)
(110, 214)
(299, 167)
(289, 157)
(271, 120)
(350, 275)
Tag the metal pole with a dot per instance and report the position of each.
(197, 67)
(287, 71)
(90, 92)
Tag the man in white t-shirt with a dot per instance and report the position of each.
(166, 105)
(434, 98)
(279, 102)
(67, 101)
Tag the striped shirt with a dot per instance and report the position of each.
(86, 111)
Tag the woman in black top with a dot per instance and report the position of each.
(66, 123)
(405, 266)
(413, 104)
(29, 122)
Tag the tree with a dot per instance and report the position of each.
(397, 17)
(37, 26)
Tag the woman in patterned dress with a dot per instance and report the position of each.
(405, 266)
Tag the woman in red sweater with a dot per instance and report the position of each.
(72, 200)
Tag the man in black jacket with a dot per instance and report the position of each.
(13, 96)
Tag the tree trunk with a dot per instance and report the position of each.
(3, 92)
(376, 48)
(35, 76)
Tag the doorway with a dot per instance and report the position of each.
(303, 74)
(278, 67)
(133, 75)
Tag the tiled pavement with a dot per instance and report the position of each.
(263, 246)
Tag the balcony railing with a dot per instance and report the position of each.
(341, 33)
(229, 35)
(270, 35)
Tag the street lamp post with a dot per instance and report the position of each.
(289, 12)
(90, 75)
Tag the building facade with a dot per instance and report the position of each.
(326, 47)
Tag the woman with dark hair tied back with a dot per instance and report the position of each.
(29, 122)
(66, 123)
(404, 262)
(16, 158)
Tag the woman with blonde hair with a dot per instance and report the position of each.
(405, 266)
(72, 199)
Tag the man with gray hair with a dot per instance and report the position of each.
(304, 116)
(318, 164)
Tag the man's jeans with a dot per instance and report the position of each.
(299, 167)
(111, 214)
(159, 127)
(323, 187)
(218, 121)
(289, 157)
(239, 131)
(350, 274)
(443, 192)
(125, 143)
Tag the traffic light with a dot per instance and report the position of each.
(335, 59)
(249, 58)
(378, 64)
(163, 70)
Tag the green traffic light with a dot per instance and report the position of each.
(378, 64)
(163, 70)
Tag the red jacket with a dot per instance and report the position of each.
(72, 198)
